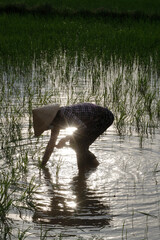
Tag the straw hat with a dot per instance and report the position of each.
(42, 118)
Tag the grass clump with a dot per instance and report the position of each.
(11, 200)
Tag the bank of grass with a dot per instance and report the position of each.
(26, 37)
(104, 29)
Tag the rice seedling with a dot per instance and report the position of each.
(43, 233)
(22, 234)
(11, 200)
(5, 201)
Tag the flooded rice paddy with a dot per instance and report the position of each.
(118, 200)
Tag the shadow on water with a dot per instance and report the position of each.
(87, 210)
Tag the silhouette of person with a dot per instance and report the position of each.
(90, 120)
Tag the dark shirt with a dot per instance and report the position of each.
(78, 115)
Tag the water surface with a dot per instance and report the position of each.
(118, 200)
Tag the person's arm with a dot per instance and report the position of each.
(63, 141)
(50, 146)
(72, 120)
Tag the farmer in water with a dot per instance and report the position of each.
(89, 119)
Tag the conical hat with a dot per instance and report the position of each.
(43, 117)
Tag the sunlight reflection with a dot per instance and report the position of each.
(72, 204)
(67, 151)
(70, 130)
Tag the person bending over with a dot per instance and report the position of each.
(90, 120)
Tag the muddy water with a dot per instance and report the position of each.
(118, 200)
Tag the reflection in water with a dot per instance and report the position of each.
(128, 174)
(83, 208)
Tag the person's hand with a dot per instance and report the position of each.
(61, 143)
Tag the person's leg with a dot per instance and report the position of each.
(81, 140)
(79, 143)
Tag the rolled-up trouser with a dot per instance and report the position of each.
(82, 139)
